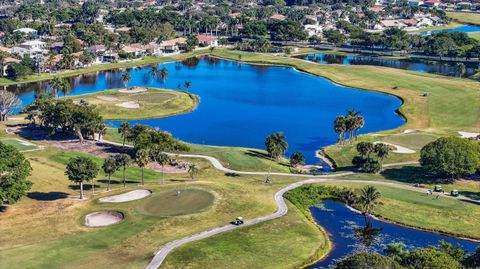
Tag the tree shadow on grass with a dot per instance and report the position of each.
(86, 187)
(261, 155)
(47, 196)
(409, 174)
(116, 182)
(3, 208)
(470, 194)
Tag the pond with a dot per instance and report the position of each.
(443, 68)
(464, 28)
(342, 225)
(241, 104)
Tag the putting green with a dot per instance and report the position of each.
(169, 203)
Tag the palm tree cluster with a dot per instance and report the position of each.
(349, 125)
(365, 200)
(365, 161)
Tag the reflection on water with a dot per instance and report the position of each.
(444, 68)
(349, 234)
(241, 104)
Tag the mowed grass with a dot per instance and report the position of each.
(236, 158)
(45, 229)
(464, 17)
(260, 246)
(18, 144)
(176, 202)
(154, 103)
(417, 209)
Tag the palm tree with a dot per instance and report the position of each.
(163, 74)
(162, 159)
(368, 199)
(59, 84)
(179, 86)
(187, 85)
(340, 126)
(193, 170)
(359, 123)
(154, 72)
(124, 130)
(123, 160)
(351, 123)
(276, 146)
(142, 157)
(382, 150)
(109, 167)
(126, 78)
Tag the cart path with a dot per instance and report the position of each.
(219, 166)
(282, 210)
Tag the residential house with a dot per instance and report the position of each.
(6, 62)
(278, 17)
(29, 32)
(33, 48)
(172, 45)
(207, 41)
(134, 51)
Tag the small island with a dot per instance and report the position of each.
(140, 103)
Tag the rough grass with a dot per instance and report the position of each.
(176, 202)
(464, 17)
(154, 103)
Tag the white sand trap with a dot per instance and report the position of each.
(130, 104)
(468, 134)
(126, 197)
(133, 90)
(409, 131)
(103, 218)
(398, 149)
(108, 98)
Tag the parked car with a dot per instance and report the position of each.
(454, 193)
(238, 221)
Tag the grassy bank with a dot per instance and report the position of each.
(464, 17)
(236, 158)
(451, 25)
(154, 103)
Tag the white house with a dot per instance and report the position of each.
(33, 48)
(313, 30)
(26, 31)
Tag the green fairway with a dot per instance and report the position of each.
(19, 144)
(176, 202)
(465, 17)
(154, 103)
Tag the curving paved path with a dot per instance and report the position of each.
(282, 210)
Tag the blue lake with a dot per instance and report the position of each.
(241, 104)
(342, 223)
(443, 68)
(464, 28)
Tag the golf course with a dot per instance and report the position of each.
(49, 227)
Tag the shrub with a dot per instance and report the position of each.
(368, 261)
(451, 157)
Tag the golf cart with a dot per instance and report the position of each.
(238, 221)
(454, 193)
(438, 188)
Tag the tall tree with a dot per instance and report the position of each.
(81, 169)
(276, 146)
(109, 166)
(162, 159)
(125, 78)
(367, 200)
(14, 170)
(58, 84)
(123, 160)
(193, 170)
(124, 130)
(340, 127)
(163, 74)
(8, 102)
(382, 151)
(142, 157)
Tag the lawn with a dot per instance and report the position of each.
(154, 103)
(451, 25)
(465, 17)
(19, 144)
(236, 158)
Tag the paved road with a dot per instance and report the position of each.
(282, 210)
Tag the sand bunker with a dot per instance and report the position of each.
(409, 131)
(131, 104)
(103, 218)
(108, 98)
(398, 149)
(126, 197)
(468, 134)
(133, 90)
